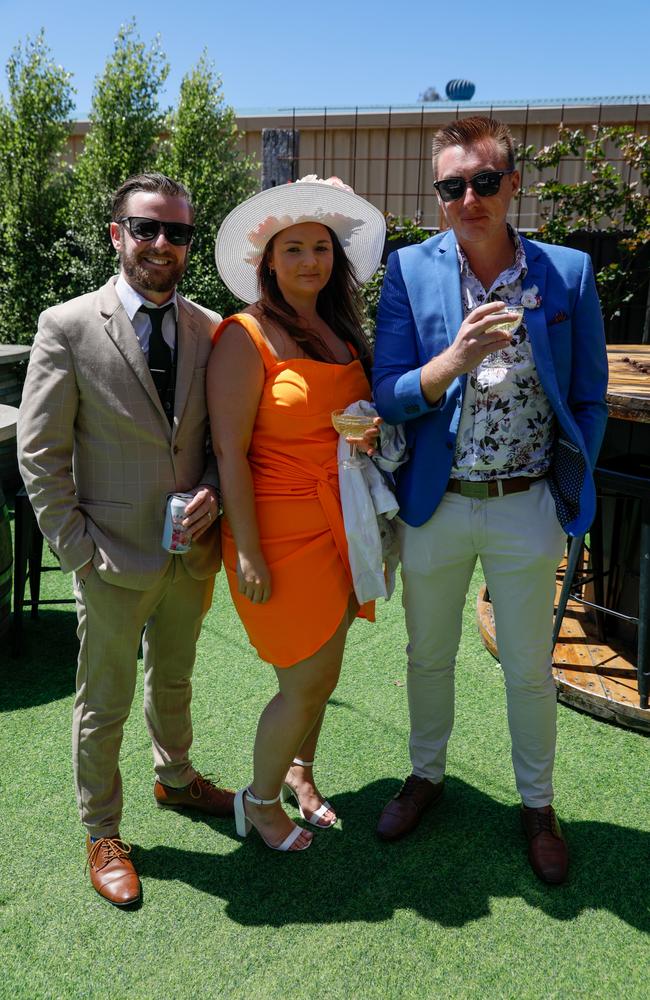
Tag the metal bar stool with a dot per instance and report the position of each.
(28, 566)
(626, 477)
(5, 566)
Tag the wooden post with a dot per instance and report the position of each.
(280, 152)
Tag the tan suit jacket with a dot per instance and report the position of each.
(96, 451)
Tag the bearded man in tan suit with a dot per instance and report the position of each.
(105, 433)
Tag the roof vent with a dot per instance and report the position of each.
(460, 90)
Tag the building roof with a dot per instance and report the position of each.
(445, 105)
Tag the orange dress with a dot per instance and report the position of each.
(293, 461)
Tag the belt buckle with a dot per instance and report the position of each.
(476, 491)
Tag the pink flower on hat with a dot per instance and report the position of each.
(332, 181)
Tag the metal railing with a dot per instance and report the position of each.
(383, 153)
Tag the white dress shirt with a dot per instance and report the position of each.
(132, 301)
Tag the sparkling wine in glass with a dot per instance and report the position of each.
(503, 322)
(351, 425)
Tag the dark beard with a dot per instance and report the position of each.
(143, 278)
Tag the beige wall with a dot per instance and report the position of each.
(384, 154)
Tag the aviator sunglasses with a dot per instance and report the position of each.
(485, 184)
(177, 233)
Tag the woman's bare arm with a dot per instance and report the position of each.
(235, 379)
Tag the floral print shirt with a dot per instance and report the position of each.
(506, 425)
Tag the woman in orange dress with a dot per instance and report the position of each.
(297, 253)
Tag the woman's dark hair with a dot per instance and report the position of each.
(339, 304)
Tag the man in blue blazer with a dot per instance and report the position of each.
(503, 428)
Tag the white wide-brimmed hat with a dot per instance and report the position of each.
(244, 233)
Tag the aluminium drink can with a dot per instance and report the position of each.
(174, 538)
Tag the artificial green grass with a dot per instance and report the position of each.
(454, 911)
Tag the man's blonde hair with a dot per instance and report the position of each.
(470, 131)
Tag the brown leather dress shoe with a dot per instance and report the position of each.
(547, 850)
(201, 794)
(404, 811)
(111, 872)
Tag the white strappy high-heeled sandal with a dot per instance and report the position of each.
(243, 824)
(288, 792)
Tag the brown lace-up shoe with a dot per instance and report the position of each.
(201, 794)
(404, 811)
(547, 850)
(111, 872)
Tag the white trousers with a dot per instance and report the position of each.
(520, 542)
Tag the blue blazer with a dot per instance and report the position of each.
(419, 315)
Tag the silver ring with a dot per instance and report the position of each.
(209, 515)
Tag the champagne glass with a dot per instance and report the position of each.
(501, 321)
(351, 425)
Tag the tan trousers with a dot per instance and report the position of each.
(519, 541)
(110, 626)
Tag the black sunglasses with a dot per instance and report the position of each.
(177, 233)
(485, 184)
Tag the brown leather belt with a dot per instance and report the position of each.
(493, 488)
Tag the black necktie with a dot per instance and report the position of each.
(161, 361)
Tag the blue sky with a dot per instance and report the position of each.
(357, 52)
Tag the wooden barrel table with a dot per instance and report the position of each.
(597, 676)
(13, 364)
(8, 417)
(628, 385)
